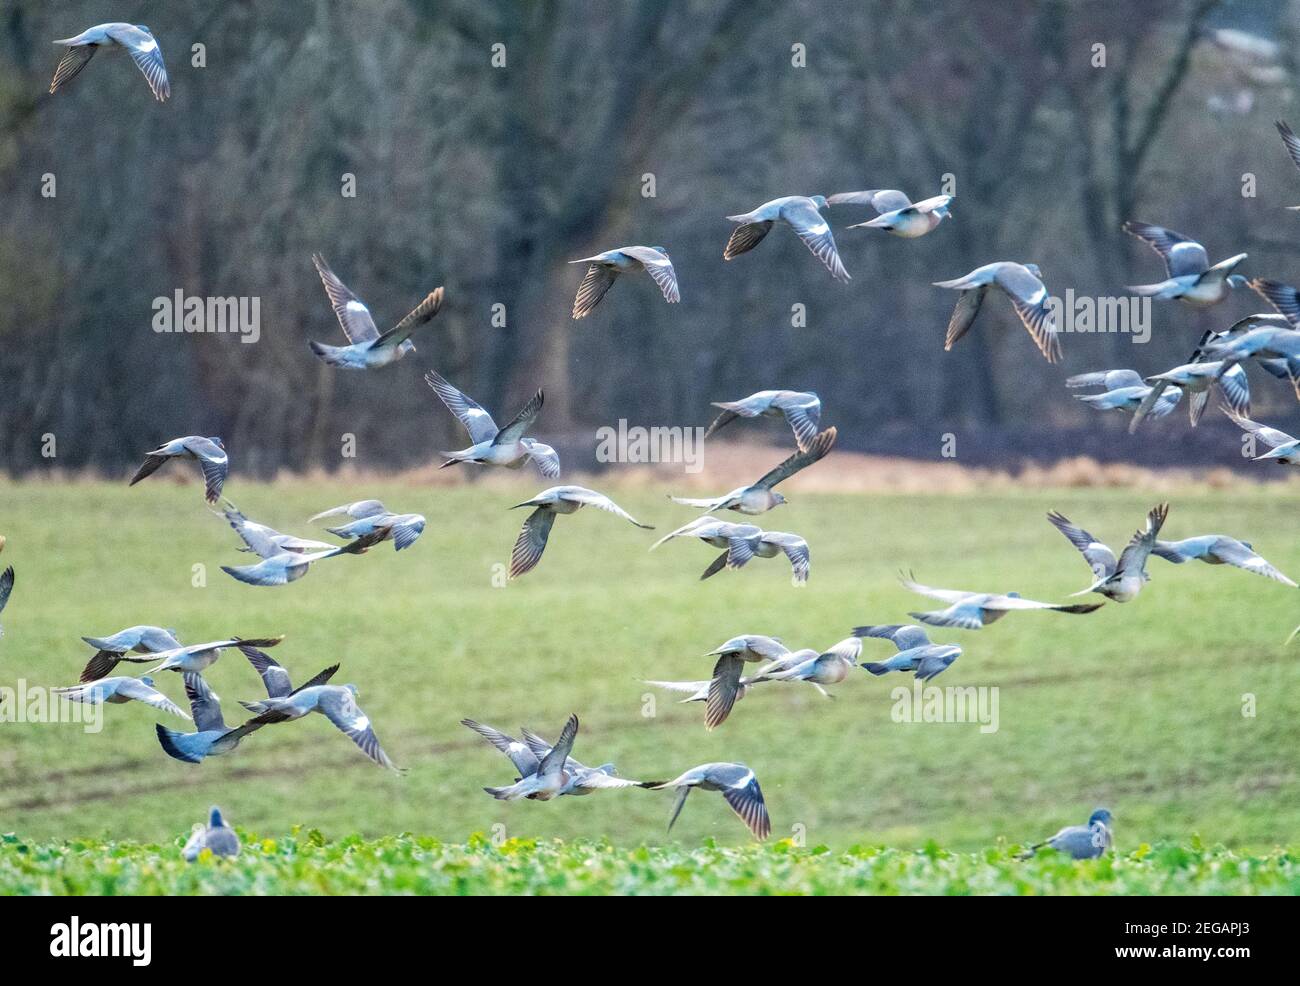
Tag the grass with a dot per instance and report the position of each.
(1138, 707)
(306, 863)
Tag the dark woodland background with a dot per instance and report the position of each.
(488, 180)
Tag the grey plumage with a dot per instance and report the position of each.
(135, 39)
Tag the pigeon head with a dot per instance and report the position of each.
(1034, 269)
(147, 679)
(214, 818)
(1237, 281)
(778, 499)
(663, 250)
(819, 201)
(1101, 816)
(607, 768)
(144, 29)
(1013, 595)
(217, 442)
(353, 689)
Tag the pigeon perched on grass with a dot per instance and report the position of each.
(217, 837)
(1079, 841)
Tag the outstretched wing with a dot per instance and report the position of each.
(1290, 140)
(204, 704)
(531, 542)
(1180, 254)
(816, 450)
(554, 760)
(1134, 557)
(342, 710)
(353, 315)
(70, 65)
(658, 266)
(477, 421)
(1271, 437)
(745, 237)
(147, 56)
(904, 636)
(521, 422)
(1029, 297)
(796, 549)
(599, 279)
(963, 314)
(1098, 556)
(520, 755)
(591, 498)
(815, 232)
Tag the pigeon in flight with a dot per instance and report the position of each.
(1022, 283)
(120, 690)
(761, 496)
(1199, 378)
(743, 542)
(337, 703)
(281, 565)
(6, 587)
(367, 348)
(975, 610)
(110, 651)
(212, 737)
(135, 39)
(209, 452)
(1292, 144)
(1282, 448)
(1218, 549)
(1191, 278)
(915, 651)
(726, 685)
(355, 510)
(1119, 580)
(896, 213)
(739, 788)
(200, 657)
(583, 780)
(800, 213)
(802, 411)
(495, 446)
(401, 529)
(250, 531)
(548, 778)
(827, 668)
(1123, 390)
(547, 505)
(604, 269)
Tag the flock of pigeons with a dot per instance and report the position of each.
(546, 771)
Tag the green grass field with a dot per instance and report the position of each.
(1137, 707)
(305, 863)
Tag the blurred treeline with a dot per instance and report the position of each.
(488, 179)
